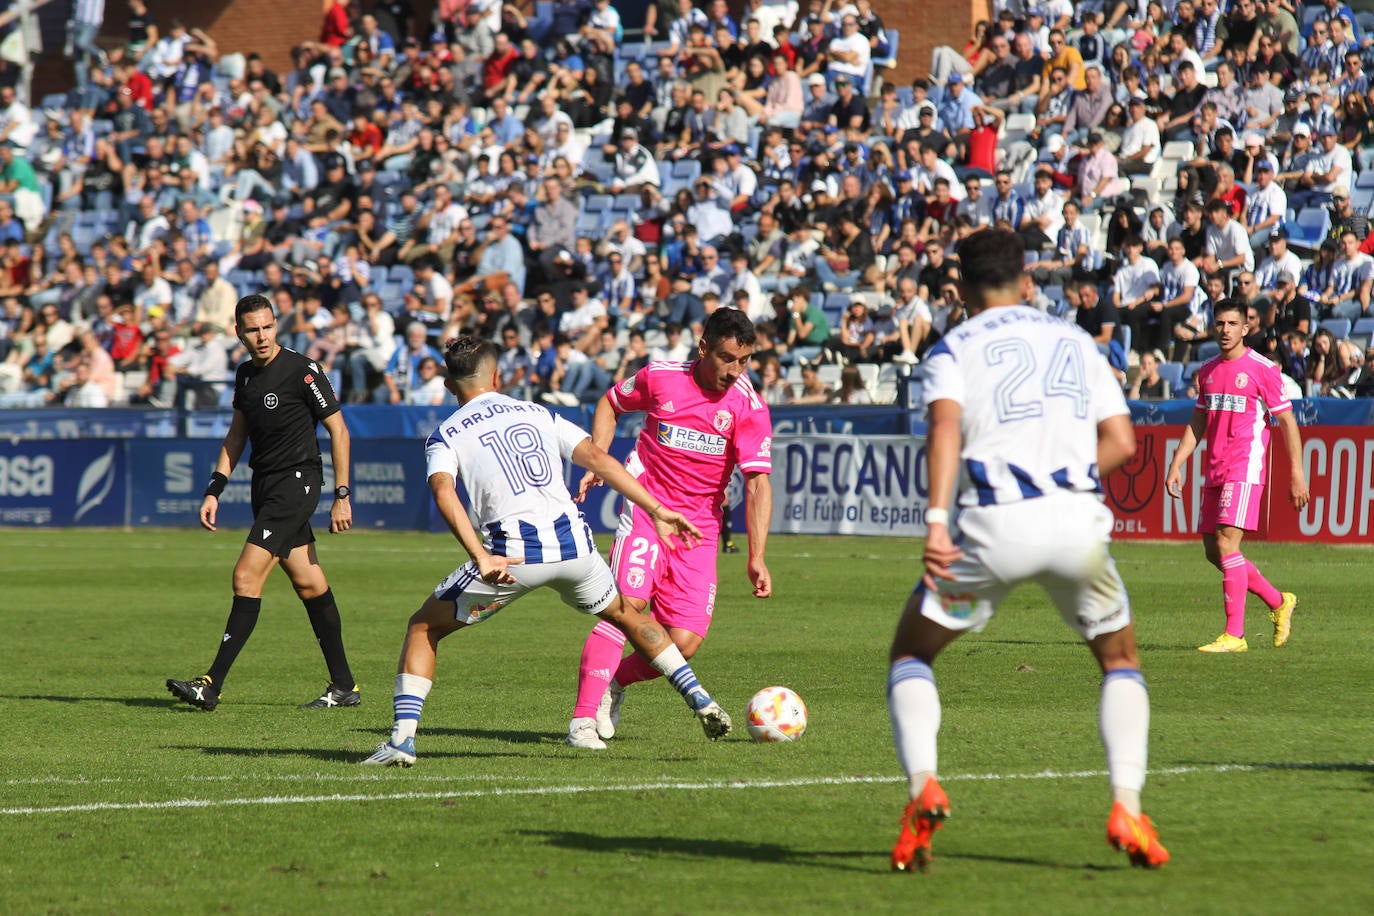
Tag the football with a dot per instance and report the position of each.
(776, 714)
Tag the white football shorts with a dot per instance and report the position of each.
(1059, 540)
(585, 583)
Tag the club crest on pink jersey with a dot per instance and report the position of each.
(723, 421)
(1242, 380)
(628, 386)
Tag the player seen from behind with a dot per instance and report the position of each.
(1024, 415)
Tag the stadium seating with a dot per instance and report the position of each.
(1173, 374)
(890, 61)
(1339, 327)
(1310, 228)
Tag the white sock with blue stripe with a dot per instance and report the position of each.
(408, 699)
(914, 704)
(680, 674)
(1124, 722)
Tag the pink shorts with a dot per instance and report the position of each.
(679, 582)
(1233, 503)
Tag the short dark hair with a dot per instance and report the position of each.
(252, 303)
(728, 324)
(1229, 305)
(991, 259)
(464, 356)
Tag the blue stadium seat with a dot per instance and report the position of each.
(402, 273)
(836, 302)
(890, 61)
(1173, 374)
(1208, 349)
(597, 203)
(379, 275)
(1311, 226)
(1363, 326)
(685, 169)
(83, 237)
(588, 224)
(1339, 327)
(1191, 368)
(242, 281)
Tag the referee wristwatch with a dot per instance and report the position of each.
(342, 492)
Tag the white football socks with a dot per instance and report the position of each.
(914, 704)
(1124, 722)
(408, 699)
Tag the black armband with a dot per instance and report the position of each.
(216, 485)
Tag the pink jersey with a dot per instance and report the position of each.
(692, 438)
(1237, 394)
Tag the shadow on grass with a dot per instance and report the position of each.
(328, 755)
(1317, 767)
(1034, 863)
(773, 853)
(498, 734)
(150, 702)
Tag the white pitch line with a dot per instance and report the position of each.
(372, 776)
(501, 792)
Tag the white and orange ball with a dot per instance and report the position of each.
(776, 714)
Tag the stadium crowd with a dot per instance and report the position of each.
(586, 198)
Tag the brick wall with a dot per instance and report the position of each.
(272, 27)
(269, 27)
(925, 24)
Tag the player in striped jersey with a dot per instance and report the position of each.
(1235, 392)
(1027, 409)
(510, 454)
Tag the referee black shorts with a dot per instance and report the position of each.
(282, 505)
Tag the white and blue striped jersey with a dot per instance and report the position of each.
(1032, 389)
(1264, 203)
(509, 455)
(1175, 278)
(1349, 274)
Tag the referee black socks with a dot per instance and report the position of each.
(324, 620)
(243, 616)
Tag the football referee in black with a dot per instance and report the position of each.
(279, 397)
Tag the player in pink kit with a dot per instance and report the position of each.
(1235, 393)
(704, 419)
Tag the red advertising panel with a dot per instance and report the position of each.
(1339, 462)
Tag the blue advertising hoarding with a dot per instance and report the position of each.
(159, 482)
(58, 483)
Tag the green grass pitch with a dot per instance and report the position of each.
(114, 799)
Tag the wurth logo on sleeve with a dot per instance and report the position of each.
(315, 390)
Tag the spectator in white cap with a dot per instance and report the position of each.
(1140, 142)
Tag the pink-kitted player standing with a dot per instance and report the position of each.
(1236, 394)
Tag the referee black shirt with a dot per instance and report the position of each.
(282, 402)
